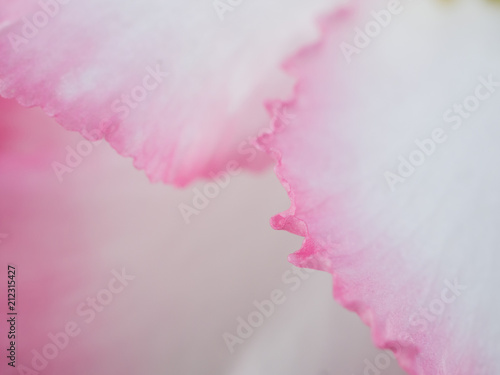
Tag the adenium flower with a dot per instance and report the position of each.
(188, 287)
(390, 166)
(386, 149)
(166, 82)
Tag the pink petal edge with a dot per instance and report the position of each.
(418, 353)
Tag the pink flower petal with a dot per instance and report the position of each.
(412, 249)
(45, 239)
(177, 85)
(174, 317)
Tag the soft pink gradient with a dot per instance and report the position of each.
(192, 281)
(390, 253)
(46, 240)
(167, 83)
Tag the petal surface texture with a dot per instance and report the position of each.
(389, 153)
(175, 310)
(177, 85)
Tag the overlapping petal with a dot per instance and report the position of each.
(390, 163)
(177, 85)
(67, 239)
